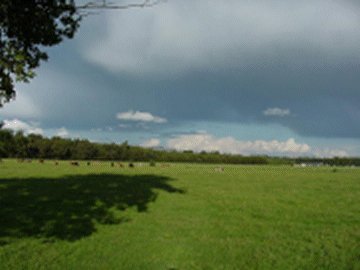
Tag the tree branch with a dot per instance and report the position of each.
(106, 5)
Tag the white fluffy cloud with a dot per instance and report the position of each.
(202, 34)
(140, 117)
(62, 132)
(276, 112)
(18, 125)
(207, 142)
(151, 143)
(327, 152)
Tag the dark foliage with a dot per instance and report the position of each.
(26, 27)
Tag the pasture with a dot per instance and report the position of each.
(177, 216)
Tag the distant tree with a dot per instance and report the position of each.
(21, 141)
(33, 149)
(7, 146)
(83, 149)
(28, 26)
(61, 148)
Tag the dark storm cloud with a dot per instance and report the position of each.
(220, 61)
(322, 102)
(231, 61)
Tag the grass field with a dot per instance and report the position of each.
(182, 216)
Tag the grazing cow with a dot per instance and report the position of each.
(41, 161)
(131, 165)
(121, 165)
(88, 163)
(219, 169)
(74, 163)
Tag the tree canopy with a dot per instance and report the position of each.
(28, 27)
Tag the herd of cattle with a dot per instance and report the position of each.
(112, 164)
(88, 163)
(77, 163)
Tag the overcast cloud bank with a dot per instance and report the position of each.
(289, 68)
(198, 35)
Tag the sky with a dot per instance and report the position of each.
(274, 77)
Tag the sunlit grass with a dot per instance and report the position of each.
(182, 216)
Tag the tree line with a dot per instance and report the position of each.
(336, 161)
(33, 146)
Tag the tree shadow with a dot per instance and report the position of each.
(69, 208)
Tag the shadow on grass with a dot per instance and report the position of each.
(69, 208)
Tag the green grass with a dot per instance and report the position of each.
(185, 216)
